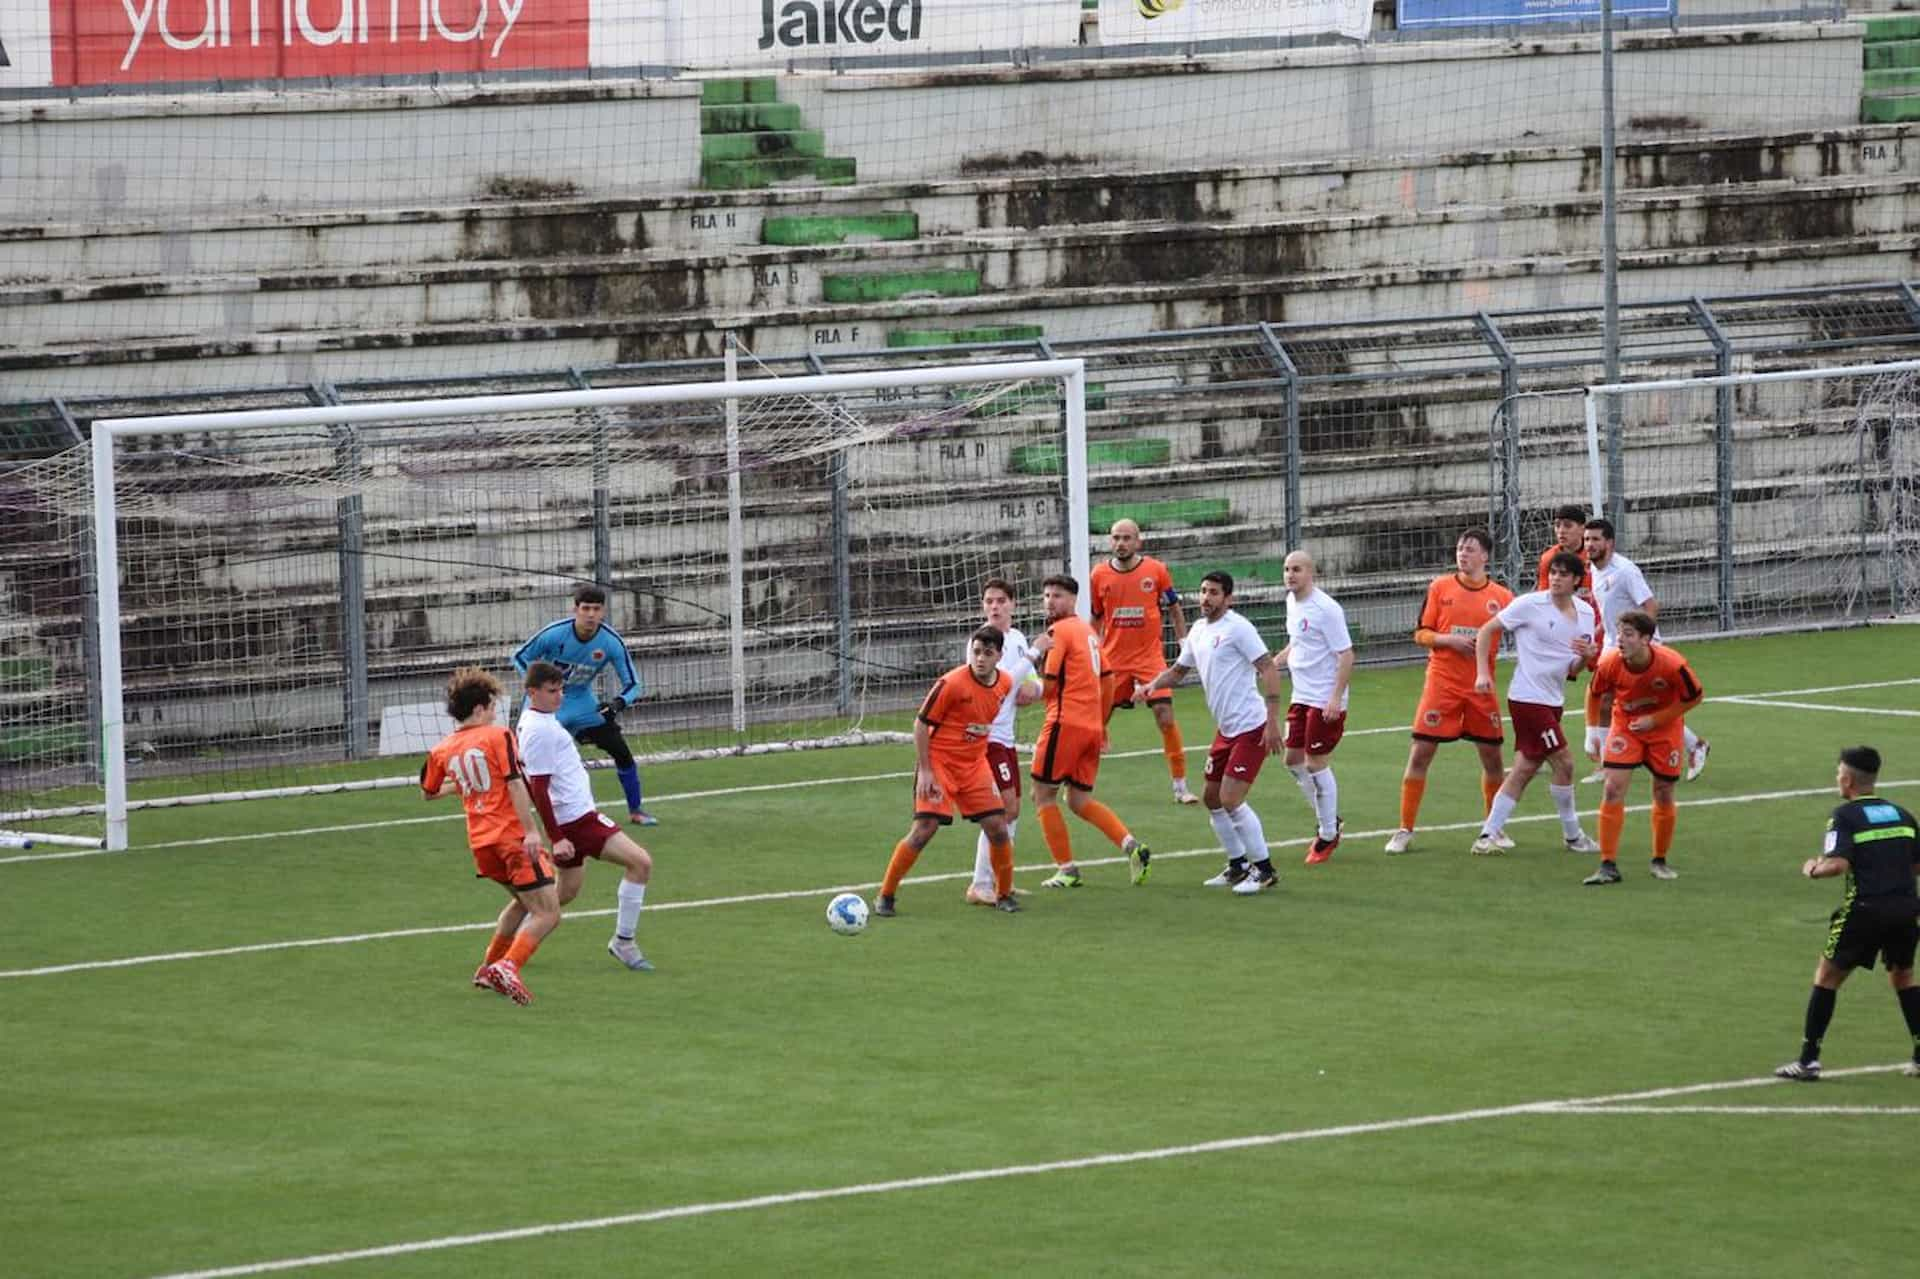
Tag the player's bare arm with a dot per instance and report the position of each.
(1483, 656)
(924, 782)
(1273, 736)
(1337, 700)
(529, 819)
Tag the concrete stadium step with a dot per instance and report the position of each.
(709, 222)
(1073, 313)
(1308, 252)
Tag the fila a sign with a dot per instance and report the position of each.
(97, 42)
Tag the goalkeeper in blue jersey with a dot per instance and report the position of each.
(582, 646)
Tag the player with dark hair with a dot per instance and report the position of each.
(1552, 634)
(582, 646)
(996, 604)
(1067, 752)
(478, 759)
(558, 781)
(1651, 688)
(1242, 685)
(1456, 607)
(1129, 591)
(950, 767)
(1569, 535)
(1876, 845)
(1618, 587)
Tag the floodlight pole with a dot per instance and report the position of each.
(1610, 276)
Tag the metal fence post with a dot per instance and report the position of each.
(602, 480)
(1504, 515)
(840, 566)
(1290, 376)
(350, 521)
(1723, 586)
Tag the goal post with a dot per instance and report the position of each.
(788, 556)
(1766, 500)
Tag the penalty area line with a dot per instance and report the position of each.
(790, 894)
(1771, 702)
(1874, 1111)
(936, 1181)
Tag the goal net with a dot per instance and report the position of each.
(1764, 500)
(788, 561)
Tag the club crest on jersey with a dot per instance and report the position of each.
(598, 655)
(1148, 585)
(1432, 719)
(1493, 606)
(979, 730)
(1660, 685)
(1616, 746)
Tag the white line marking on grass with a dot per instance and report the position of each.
(789, 894)
(1572, 712)
(1771, 702)
(937, 1180)
(1876, 1111)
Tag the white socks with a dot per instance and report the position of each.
(1326, 802)
(1503, 806)
(1252, 839)
(628, 917)
(1563, 803)
(1228, 834)
(1692, 739)
(983, 859)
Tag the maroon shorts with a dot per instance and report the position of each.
(1308, 730)
(1536, 729)
(589, 833)
(1005, 766)
(1237, 757)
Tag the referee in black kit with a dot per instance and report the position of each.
(1875, 844)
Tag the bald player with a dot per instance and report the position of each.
(1129, 593)
(1319, 657)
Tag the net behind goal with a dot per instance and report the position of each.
(787, 560)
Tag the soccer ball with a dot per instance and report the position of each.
(847, 914)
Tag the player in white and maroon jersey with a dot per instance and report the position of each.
(996, 605)
(558, 780)
(1552, 633)
(1319, 658)
(1242, 685)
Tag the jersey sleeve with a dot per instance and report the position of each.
(1184, 658)
(535, 753)
(540, 786)
(933, 709)
(537, 649)
(622, 663)
(1840, 827)
(1430, 619)
(1514, 615)
(1097, 606)
(433, 773)
(504, 755)
(1247, 640)
(1690, 687)
(1636, 586)
(1338, 640)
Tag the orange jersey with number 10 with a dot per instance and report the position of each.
(1071, 673)
(481, 760)
(1455, 608)
(1127, 609)
(960, 711)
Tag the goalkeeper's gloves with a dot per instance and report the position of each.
(609, 709)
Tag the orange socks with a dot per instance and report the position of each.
(904, 856)
(1001, 855)
(497, 947)
(1053, 828)
(522, 949)
(1612, 818)
(1106, 821)
(1176, 752)
(1489, 787)
(1664, 816)
(1412, 791)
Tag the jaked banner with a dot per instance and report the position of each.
(1411, 15)
(1160, 21)
(705, 35)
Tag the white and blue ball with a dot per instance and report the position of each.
(847, 914)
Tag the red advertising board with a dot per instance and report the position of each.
(99, 42)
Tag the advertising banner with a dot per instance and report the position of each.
(1161, 21)
(722, 34)
(26, 60)
(1411, 15)
(101, 42)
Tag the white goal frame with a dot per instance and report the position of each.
(1070, 374)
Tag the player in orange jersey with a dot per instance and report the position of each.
(1652, 688)
(950, 767)
(1457, 606)
(1067, 752)
(1129, 590)
(480, 760)
(1569, 535)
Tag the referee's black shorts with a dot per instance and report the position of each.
(1861, 930)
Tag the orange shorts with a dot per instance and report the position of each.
(509, 864)
(1067, 756)
(1449, 714)
(1129, 680)
(1663, 752)
(969, 789)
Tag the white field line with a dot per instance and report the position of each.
(1875, 1111)
(135, 961)
(1820, 706)
(1573, 712)
(1586, 1105)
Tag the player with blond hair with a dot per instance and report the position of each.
(480, 761)
(1129, 592)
